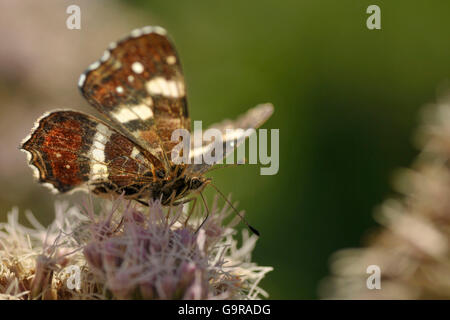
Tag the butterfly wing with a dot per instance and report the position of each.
(233, 132)
(139, 85)
(69, 150)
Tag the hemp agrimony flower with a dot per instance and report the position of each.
(125, 251)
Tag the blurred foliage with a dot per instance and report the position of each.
(346, 103)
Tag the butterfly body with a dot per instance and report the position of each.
(138, 86)
(169, 190)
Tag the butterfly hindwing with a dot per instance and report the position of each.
(233, 133)
(139, 85)
(71, 150)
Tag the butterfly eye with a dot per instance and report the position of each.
(196, 183)
(160, 173)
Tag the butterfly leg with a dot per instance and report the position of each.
(171, 202)
(192, 209)
(207, 213)
(177, 203)
(119, 225)
(142, 202)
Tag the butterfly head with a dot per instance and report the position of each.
(198, 183)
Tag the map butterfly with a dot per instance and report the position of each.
(138, 85)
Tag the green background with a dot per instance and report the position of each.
(346, 99)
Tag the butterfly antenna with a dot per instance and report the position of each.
(224, 166)
(237, 212)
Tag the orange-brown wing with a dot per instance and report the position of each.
(69, 150)
(139, 85)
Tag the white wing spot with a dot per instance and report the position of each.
(148, 101)
(98, 145)
(67, 166)
(137, 67)
(136, 33)
(103, 131)
(180, 85)
(134, 152)
(105, 56)
(130, 78)
(119, 89)
(124, 115)
(143, 111)
(159, 30)
(147, 29)
(99, 171)
(167, 88)
(171, 59)
(98, 155)
(81, 80)
(94, 65)
(173, 89)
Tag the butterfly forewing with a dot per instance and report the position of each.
(139, 85)
(71, 150)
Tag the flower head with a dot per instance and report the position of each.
(411, 248)
(129, 252)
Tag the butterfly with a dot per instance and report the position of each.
(138, 86)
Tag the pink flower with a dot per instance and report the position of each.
(127, 251)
